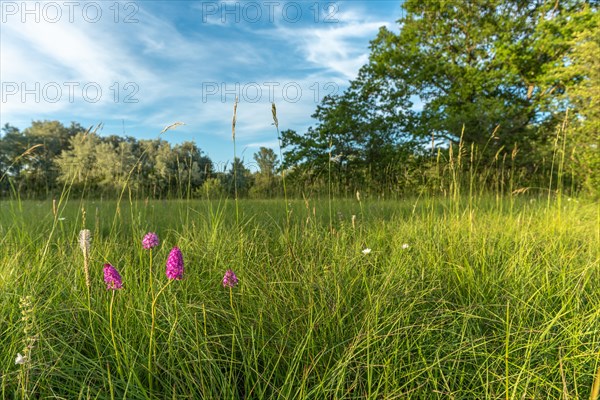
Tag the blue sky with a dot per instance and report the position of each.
(138, 66)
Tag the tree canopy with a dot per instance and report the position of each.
(494, 74)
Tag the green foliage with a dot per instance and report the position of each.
(580, 84)
(512, 86)
(238, 179)
(496, 75)
(266, 181)
(12, 146)
(45, 157)
(212, 188)
(77, 165)
(27, 158)
(267, 162)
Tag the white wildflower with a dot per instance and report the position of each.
(20, 359)
(366, 251)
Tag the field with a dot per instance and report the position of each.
(487, 297)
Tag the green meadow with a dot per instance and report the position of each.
(463, 298)
(433, 232)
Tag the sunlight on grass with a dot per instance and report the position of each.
(468, 302)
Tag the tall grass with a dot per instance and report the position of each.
(488, 301)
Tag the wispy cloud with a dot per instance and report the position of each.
(341, 46)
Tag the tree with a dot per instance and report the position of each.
(578, 81)
(353, 145)
(148, 174)
(476, 71)
(115, 164)
(477, 67)
(192, 167)
(12, 146)
(212, 188)
(49, 139)
(238, 179)
(77, 166)
(47, 154)
(265, 180)
(267, 162)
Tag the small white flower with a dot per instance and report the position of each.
(61, 218)
(405, 246)
(366, 251)
(337, 158)
(20, 359)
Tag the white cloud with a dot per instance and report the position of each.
(58, 60)
(340, 47)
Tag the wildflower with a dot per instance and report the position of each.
(20, 359)
(366, 251)
(175, 264)
(337, 158)
(112, 278)
(405, 246)
(150, 240)
(230, 280)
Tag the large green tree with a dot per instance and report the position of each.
(496, 74)
(354, 144)
(473, 67)
(577, 81)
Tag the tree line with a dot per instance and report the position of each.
(47, 157)
(503, 93)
